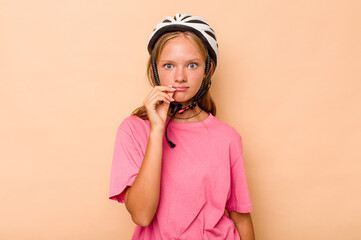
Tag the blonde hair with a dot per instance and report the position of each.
(206, 102)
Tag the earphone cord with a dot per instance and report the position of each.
(172, 145)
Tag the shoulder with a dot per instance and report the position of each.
(231, 135)
(135, 126)
(133, 123)
(226, 129)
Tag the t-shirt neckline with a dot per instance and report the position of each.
(191, 124)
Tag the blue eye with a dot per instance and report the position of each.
(168, 66)
(192, 65)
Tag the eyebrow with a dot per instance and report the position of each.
(190, 60)
(195, 59)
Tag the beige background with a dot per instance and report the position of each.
(288, 80)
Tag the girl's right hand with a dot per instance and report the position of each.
(157, 112)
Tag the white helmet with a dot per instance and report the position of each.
(187, 22)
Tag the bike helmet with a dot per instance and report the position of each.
(198, 26)
(187, 22)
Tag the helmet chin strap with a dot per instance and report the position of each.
(178, 108)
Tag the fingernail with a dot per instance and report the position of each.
(171, 86)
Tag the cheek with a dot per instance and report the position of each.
(197, 76)
(164, 76)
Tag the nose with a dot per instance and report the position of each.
(180, 75)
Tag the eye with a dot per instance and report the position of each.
(168, 66)
(192, 65)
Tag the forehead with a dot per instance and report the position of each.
(180, 47)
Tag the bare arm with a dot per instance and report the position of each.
(142, 198)
(244, 225)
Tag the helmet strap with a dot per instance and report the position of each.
(155, 70)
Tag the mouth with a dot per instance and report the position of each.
(181, 88)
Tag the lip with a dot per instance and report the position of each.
(181, 88)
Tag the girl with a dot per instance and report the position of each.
(181, 188)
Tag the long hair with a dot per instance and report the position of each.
(206, 102)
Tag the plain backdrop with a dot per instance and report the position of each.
(288, 80)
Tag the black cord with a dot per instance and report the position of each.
(174, 110)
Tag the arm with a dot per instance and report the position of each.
(142, 198)
(243, 223)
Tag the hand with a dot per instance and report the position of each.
(157, 104)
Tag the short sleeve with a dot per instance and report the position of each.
(239, 198)
(127, 160)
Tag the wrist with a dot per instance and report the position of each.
(156, 131)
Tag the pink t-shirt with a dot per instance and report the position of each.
(200, 178)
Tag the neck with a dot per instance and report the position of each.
(191, 115)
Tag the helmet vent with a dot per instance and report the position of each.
(196, 21)
(211, 34)
(185, 18)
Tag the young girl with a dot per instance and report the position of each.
(178, 168)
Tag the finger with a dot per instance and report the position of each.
(166, 95)
(158, 89)
(160, 102)
(171, 94)
(163, 94)
(156, 99)
(165, 88)
(163, 101)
